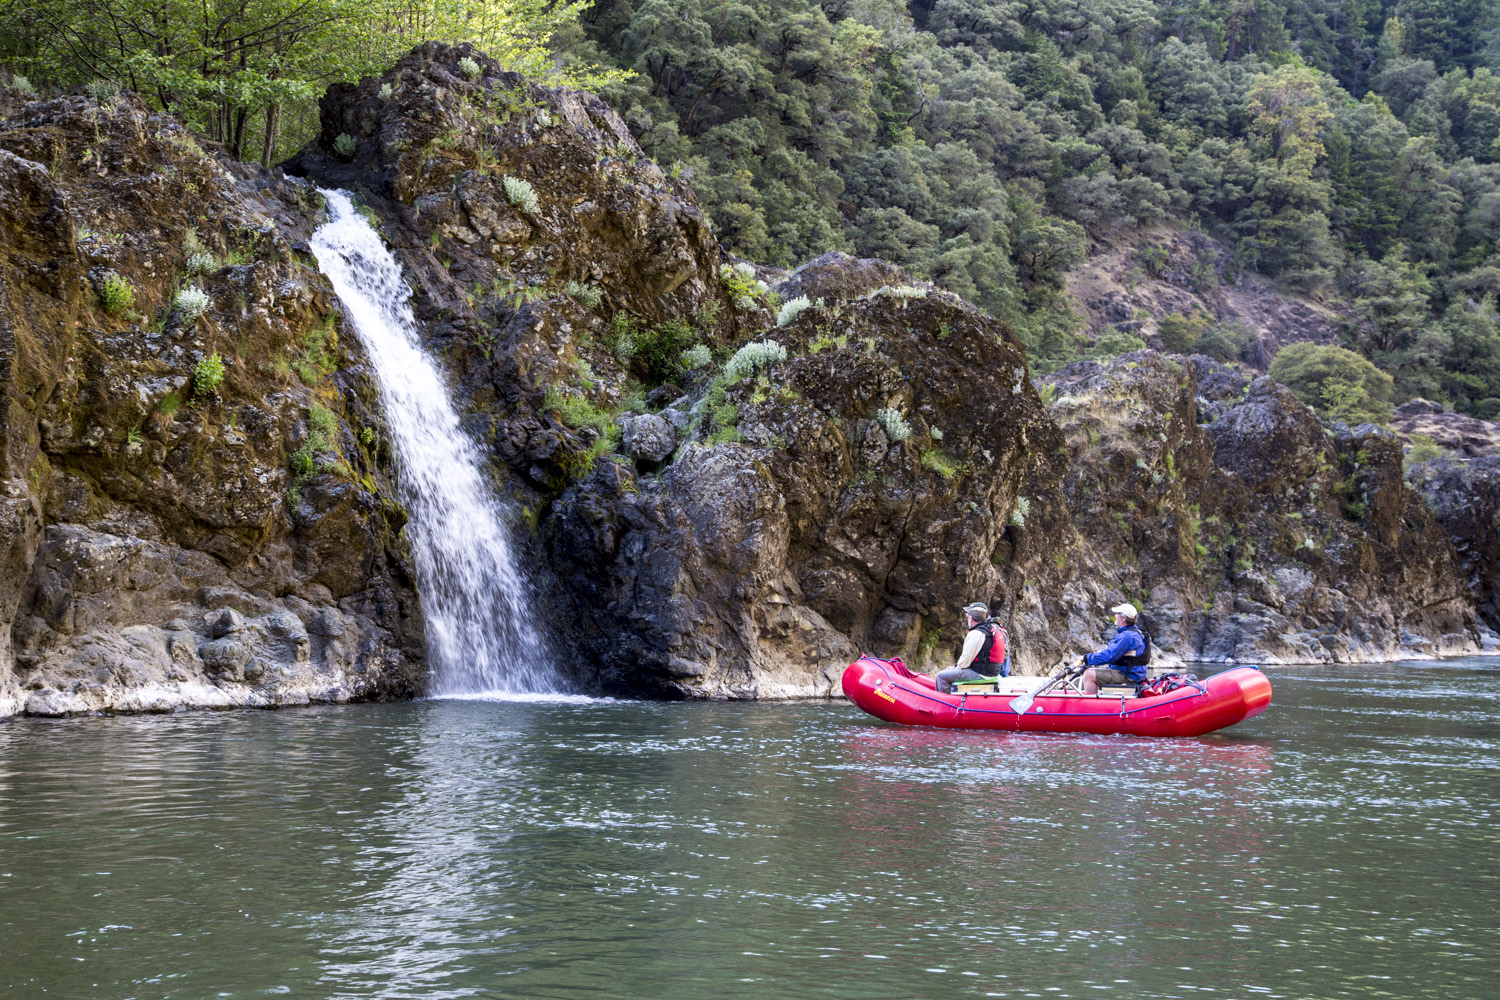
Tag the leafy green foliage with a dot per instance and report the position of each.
(119, 296)
(588, 295)
(317, 360)
(208, 374)
(249, 75)
(745, 290)
(577, 412)
(1423, 449)
(1337, 383)
(653, 353)
(1343, 150)
(1112, 343)
(322, 436)
(942, 463)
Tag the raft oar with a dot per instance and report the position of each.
(1022, 703)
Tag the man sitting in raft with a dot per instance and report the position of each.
(978, 646)
(1124, 660)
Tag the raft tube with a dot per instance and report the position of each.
(888, 690)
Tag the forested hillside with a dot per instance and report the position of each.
(1347, 148)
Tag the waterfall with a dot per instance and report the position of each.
(477, 605)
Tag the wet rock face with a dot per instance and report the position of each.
(1465, 498)
(1219, 504)
(136, 495)
(117, 623)
(760, 568)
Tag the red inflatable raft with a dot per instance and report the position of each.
(888, 690)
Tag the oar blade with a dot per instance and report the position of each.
(1022, 704)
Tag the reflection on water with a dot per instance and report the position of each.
(1341, 845)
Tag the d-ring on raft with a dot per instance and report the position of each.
(888, 690)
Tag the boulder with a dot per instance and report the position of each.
(648, 437)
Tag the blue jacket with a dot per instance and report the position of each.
(1128, 641)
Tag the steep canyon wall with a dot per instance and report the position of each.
(692, 532)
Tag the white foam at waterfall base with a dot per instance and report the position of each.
(477, 606)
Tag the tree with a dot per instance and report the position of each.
(1288, 113)
(230, 71)
(1336, 383)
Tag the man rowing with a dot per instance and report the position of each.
(1125, 659)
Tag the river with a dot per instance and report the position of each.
(1343, 844)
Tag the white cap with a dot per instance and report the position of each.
(1128, 610)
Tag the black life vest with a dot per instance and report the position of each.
(1143, 658)
(993, 659)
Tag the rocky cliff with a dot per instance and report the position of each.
(730, 479)
(160, 549)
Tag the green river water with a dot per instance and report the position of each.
(1343, 844)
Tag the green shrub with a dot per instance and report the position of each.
(743, 287)
(520, 194)
(588, 295)
(1018, 516)
(942, 463)
(1180, 334)
(191, 303)
(1336, 383)
(1111, 344)
(102, 90)
(697, 356)
(1154, 258)
(1423, 449)
(118, 295)
(753, 356)
(317, 358)
(208, 374)
(577, 412)
(385, 92)
(345, 145)
(658, 351)
(169, 405)
(894, 424)
(22, 84)
(323, 423)
(469, 68)
(727, 434)
(1225, 341)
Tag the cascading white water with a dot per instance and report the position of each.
(477, 606)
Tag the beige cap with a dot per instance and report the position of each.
(1128, 610)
